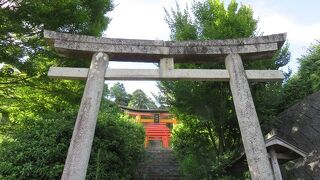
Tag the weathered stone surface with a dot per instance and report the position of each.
(252, 138)
(154, 50)
(275, 164)
(300, 125)
(52, 35)
(162, 74)
(158, 164)
(80, 146)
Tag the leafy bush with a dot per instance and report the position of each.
(196, 154)
(118, 147)
(307, 80)
(37, 148)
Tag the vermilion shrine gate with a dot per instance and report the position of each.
(231, 51)
(156, 123)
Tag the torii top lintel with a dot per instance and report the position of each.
(134, 50)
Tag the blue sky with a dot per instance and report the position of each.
(144, 19)
(303, 12)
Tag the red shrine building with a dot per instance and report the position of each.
(157, 123)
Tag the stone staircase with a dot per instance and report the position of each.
(158, 164)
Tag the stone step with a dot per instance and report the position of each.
(161, 169)
(156, 161)
(159, 164)
(158, 177)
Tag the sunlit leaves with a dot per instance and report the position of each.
(307, 80)
(206, 108)
(38, 113)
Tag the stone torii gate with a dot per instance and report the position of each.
(101, 50)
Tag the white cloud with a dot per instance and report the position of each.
(274, 20)
(299, 34)
(299, 37)
(139, 19)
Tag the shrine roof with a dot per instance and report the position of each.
(144, 110)
(285, 152)
(136, 50)
(283, 146)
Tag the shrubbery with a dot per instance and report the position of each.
(37, 148)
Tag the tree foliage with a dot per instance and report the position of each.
(118, 145)
(38, 113)
(119, 95)
(27, 57)
(160, 100)
(206, 108)
(37, 148)
(307, 80)
(139, 100)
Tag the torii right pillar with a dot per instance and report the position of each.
(251, 134)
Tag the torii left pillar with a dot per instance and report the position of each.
(80, 146)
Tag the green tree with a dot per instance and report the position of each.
(118, 145)
(160, 100)
(140, 100)
(23, 21)
(38, 113)
(206, 108)
(36, 149)
(25, 88)
(119, 95)
(307, 80)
